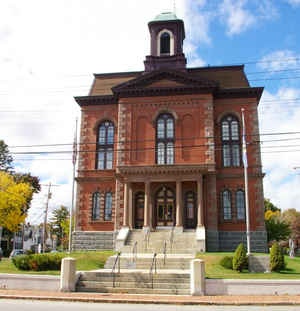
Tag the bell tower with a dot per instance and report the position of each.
(167, 35)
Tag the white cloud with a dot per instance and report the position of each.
(279, 115)
(241, 15)
(294, 2)
(49, 50)
(236, 16)
(280, 60)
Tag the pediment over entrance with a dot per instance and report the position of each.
(162, 80)
(163, 172)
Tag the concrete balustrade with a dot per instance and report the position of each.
(68, 275)
(197, 277)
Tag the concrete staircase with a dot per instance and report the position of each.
(183, 242)
(172, 275)
(143, 261)
(135, 282)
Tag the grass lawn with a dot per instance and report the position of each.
(85, 261)
(215, 271)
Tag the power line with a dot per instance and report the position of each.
(147, 140)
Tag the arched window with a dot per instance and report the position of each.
(105, 146)
(165, 43)
(165, 139)
(108, 206)
(96, 206)
(240, 204)
(230, 135)
(226, 204)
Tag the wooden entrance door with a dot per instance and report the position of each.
(139, 210)
(165, 207)
(190, 210)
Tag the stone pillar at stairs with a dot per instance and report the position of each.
(200, 232)
(147, 206)
(179, 226)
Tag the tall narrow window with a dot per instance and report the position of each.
(105, 146)
(231, 145)
(165, 139)
(240, 204)
(108, 206)
(96, 206)
(226, 204)
(165, 43)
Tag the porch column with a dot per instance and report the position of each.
(178, 204)
(130, 207)
(147, 205)
(126, 200)
(200, 201)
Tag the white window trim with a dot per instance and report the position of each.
(171, 41)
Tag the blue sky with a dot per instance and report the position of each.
(49, 50)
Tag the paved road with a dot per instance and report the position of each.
(28, 305)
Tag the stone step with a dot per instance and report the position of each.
(141, 291)
(133, 275)
(133, 285)
(135, 278)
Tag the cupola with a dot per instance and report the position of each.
(167, 35)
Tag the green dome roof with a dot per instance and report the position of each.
(167, 16)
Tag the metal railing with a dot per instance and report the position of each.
(165, 252)
(147, 238)
(171, 239)
(153, 265)
(117, 262)
(134, 252)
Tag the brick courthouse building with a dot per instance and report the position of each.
(161, 149)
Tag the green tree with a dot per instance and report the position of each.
(33, 181)
(276, 258)
(5, 157)
(292, 217)
(269, 206)
(57, 223)
(13, 201)
(239, 261)
(277, 228)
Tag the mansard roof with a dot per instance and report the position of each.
(223, 81)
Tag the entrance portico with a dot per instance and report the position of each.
(163, 196)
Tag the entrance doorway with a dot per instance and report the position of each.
(190, 210)
(165, 207)
(139, 210)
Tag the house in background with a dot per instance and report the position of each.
(160, 149)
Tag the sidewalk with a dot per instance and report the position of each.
(150, 299)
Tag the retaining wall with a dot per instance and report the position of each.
(30, 282)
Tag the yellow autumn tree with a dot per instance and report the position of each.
(13, 199)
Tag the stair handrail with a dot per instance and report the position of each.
(117, 261)
(153, 264)
(171, 239)
(165, 251)
(147, 237)
(134, 252)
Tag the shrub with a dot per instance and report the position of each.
(21, 262)
(226, 262)
(38, 262)
(276, 258)
(239, 261)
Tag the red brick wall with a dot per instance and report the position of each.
(196, 117)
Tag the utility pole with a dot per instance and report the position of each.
(49, 195)
(73, 187)
(46, 216)
(245, 161)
